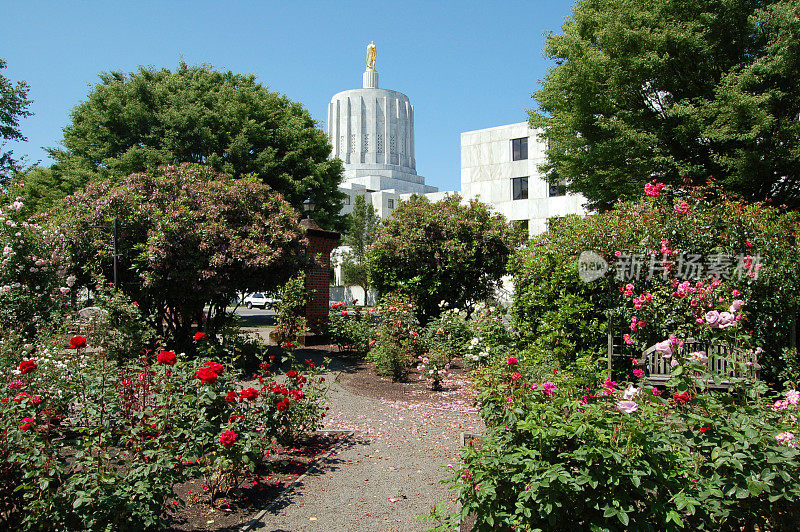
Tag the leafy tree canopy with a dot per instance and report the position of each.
(187, 236)
(136, 122)
(443, 251)
(362, 223)
(14, 104)
(678, 90)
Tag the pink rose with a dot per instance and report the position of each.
(735, 306)
(712, 318)
(629, 407)
(726, 319)
(665, 348)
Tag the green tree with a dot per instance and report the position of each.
(136, 122)
(674, 90)
(188, 237)
(443, 251)
(14, 104)
(361, 224)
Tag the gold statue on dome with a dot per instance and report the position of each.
(371, 55)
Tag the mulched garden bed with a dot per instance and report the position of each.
(257, 490)
(456, 393)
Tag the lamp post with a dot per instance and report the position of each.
(308, 207)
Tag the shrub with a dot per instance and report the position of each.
(194, 238)
(626, 458)
(132, 430)
(397, 344)
(34, 286)
(560, 314)
(441, 251)
(292, 299)
(350, 329)
(491, 337)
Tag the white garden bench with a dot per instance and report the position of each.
(719, 356)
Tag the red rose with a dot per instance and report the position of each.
(704, 429)
(288, 345)
(291, 374)
(249, 393)
(216, 367)
(26, 366)
(27, 423)
(283, 405)
(4, 400)
(167, 357)
(20, 396)
(512, 361)
(77, 342)
(206, 375)
(200, 335)
(227, 438)
(231, 397)
(681, 398)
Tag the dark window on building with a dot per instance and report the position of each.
(347, 200)
(556, 189)
(519, 149)
(519, 188)
(522, 225)
(391, 204)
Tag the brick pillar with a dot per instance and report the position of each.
(318, 276)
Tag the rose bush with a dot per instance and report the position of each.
(621, 456)
(755, 245)
(397, 343)
(87, 442)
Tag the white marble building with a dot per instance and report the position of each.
(499, 166)
(372, 132)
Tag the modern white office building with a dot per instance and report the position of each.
(499, 166)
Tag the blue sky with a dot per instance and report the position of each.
(464, 65)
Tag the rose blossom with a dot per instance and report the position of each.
(735, 306)
(27, 423)
(227, 438)
(726, 319)
(713, 318)
(26, 366)
(782, 404)
(206, 375)
(793, 397)
(77, 342)
(512, 361)
(629, 407)
(167, 358)
(549, 388)
(200, 335)
(249, 393)
(630, 392)
(216, 367)
(638, 373)
(665, 348)
(681, 398)
(786, 438)
(16, 384)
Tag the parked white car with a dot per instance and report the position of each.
(258, 299)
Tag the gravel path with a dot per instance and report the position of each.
(386, 474)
